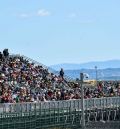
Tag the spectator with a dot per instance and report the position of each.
(5, 53)
(62, 73)
(22, 81)
(1, 56)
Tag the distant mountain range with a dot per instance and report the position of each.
(102, 74)
(89, 65)
(107, 70)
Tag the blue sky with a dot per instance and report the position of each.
(61, 31)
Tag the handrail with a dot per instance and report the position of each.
(49, 68)
(44, 66)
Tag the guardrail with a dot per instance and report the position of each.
(89, 104)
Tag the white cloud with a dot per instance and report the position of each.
(72, 15)
(24, 15)
(43, 12)
(40, 13)
(80, 18)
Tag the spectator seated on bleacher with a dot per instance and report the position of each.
(22, 81)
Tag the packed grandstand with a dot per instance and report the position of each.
(24, 81)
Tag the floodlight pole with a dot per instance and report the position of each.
(82, 100)
(96, 74)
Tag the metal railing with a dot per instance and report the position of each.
(44, 66)
(61, 114)
(90, 104)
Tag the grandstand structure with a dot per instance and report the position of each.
(100, 113)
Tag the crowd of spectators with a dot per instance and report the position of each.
(24, 81)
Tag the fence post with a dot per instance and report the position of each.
(82, 101)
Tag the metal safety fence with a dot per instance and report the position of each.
(89, 104)
(64, 114)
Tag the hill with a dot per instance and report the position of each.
(103, 74)
(107, 70)
(89, 65)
